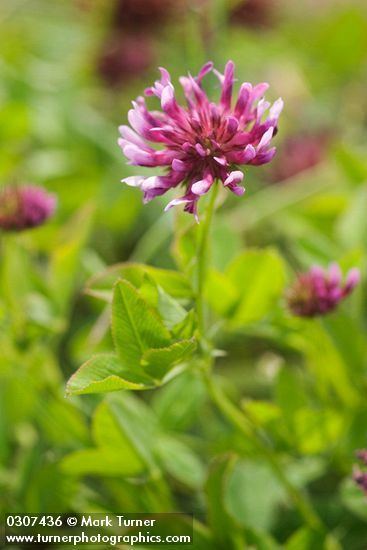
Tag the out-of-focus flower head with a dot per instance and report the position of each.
(298, 154)
(128, 49)
(203, 141)
(23, 207)
(138, 14)
(319, 291)
(125, 57)
(253, 13)
(359, 476)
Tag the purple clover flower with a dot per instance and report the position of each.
(23, 207)
(204, 141)
(319, 291)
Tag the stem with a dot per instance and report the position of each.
(234, 415)
(202, 259)
(243, 425)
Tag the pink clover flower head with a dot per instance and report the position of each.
(319, 291)
(201, 142)
(25, 206)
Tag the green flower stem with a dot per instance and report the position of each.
(202, 258)
(239, 420)
(234, 415)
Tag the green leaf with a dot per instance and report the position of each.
(184, 248)
(137, 421)
(175, 412)
(331, 543)
(66, 257)
(329, 367)
(290, 396)
(180, 462)
(317, 430)
(104, 373)
(170, 309)
(259, 277)
(352, 226)
(304, 539)
(107, 433)
(43, 485)
(263, 412)
(342, 43)
(115, 454)
(186, 328)
(158, 362)
(226, 242)
(260, 540)
(252, 495)
(289, 392)
(15, 279)
(221, 293)
(149, 291)
(104, 461)
(352, 162)
(305, 470)
(354, 499)
(136, 327)
(172, 282)
(349, 339)
(62, 422)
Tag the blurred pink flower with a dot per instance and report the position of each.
(202, 142)
(125, 57)
(24, 207)
(298, 154)
(319, 291)
(128, 50)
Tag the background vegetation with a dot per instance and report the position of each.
(302, 383)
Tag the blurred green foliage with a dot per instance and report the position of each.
(301, 382)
